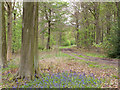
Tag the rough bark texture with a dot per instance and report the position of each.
(4, 47)
(26, 69)
(36, 64)
(0, 42)
(9, 36)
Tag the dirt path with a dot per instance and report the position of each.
(75, 53)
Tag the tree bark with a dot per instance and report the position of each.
(118, 42)
(27, 65)
(4, 46)
(77, 29)
(96, 8)
(49, 28)
(14, 30)
(108, 16)
(118, 34)
(0, 41)
(9, 36)
(36, 64)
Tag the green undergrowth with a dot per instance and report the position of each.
(95, 64)
(55, 54)
(11, 65)
(95, 55)
(79, 55)
(62, 47)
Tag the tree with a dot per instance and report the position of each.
(0, 40)
(52, 13)
(118, 32)
(48, 18)
(36, 65)
(95, 12)
(9, 35)
(14, 34)
(4, 46)
(28, 66)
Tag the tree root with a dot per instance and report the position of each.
(25, 77)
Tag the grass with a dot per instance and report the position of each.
(55, 54)
(62, 47)
(96, 64)
(95, 55)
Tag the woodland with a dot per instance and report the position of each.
(59, 44)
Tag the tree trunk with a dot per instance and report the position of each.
(118, 43)
(4, 47)
(48, 42)
(14, 31)
(97, 22)
(102, 32)
(49, 28)
(36, 64)
(27, 64)
(0, 41)
(9, 36)
(108, 16)
(77, 30)
(118, 33)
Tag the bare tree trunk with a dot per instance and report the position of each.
(48, 42)
(4, 47)
(108, 16)
(49, 28)
(97, 22)
(9, 36)
(102, 32)
(77, 29)
(14, 30)
(36, 64)
(118, 36)
(0, 41)
(27, 64)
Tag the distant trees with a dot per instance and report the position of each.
(51, 15)
(118, 35)
(76, 21)
(97, 21)
(115, 52)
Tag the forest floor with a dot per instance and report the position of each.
(82, 61)
(71, 60)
